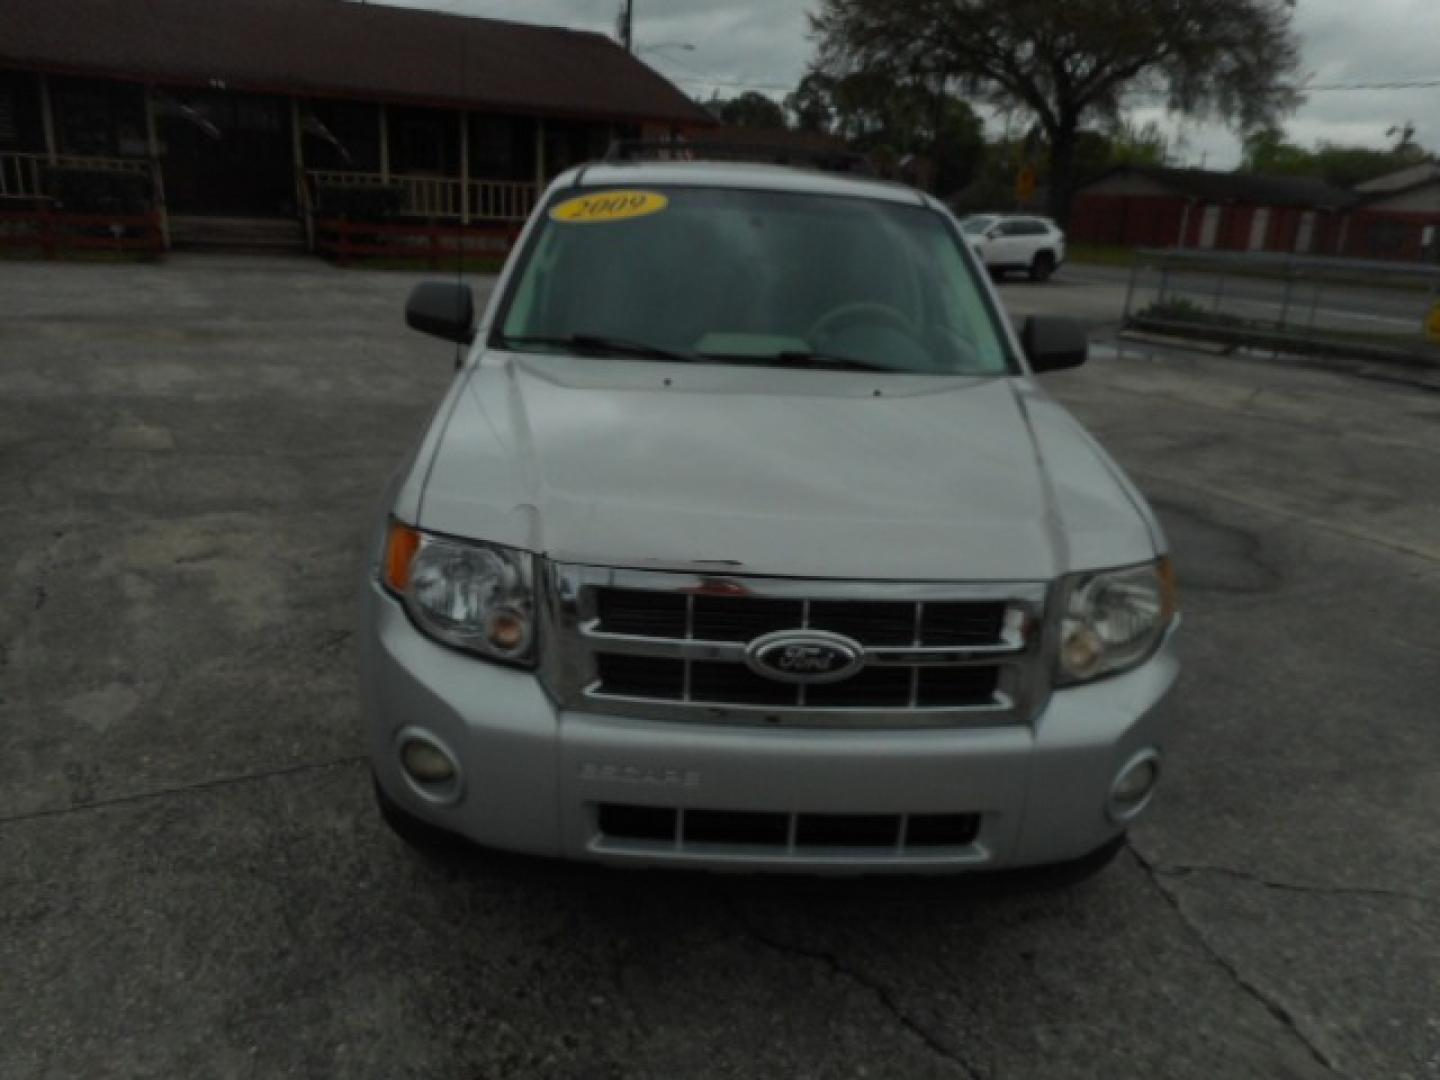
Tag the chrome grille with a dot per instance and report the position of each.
(645, 613)
(673, 646)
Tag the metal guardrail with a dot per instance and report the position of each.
(1289, 303)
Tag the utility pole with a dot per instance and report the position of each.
(627, 23)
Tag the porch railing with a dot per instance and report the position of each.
(21, 176)
(440, 196)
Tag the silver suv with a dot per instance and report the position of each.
(746, 538)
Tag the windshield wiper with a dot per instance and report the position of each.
(601, 345)
(797, 358)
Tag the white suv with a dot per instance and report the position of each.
(745, 537)
(1034, 245)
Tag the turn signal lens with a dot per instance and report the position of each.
(400, 546)
(1081, 651)
(508, 631)
(473, 595)
(1169, 592)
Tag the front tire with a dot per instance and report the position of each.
(1042, 266)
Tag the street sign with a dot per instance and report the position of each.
(1432, 324)
(1025, 184)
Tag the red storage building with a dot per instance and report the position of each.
(1150, 206)
(1398, 216)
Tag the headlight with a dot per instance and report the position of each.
(1113, 619)
(474, 596)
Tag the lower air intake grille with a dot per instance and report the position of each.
(669, 826)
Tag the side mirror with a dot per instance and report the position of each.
(445, 309)
(1052, 344)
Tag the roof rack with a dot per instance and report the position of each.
(754, 153)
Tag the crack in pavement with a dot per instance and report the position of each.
(199, 785)
(1182, 871)
(1151, 478)
(878, 991)
(1273, 1007)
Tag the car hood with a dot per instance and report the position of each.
(754, 470)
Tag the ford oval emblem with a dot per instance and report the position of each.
(805, 656)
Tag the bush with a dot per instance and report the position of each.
(359, 203)
(95, 191)
(1181, 309)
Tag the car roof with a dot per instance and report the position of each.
(742, 175)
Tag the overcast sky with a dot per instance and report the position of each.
(764, 45)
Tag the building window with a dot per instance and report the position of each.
(495, 151)
(20, 112)
(425, 142)
(9, 120)
(341, 135)
(99, 119)
(574, 143)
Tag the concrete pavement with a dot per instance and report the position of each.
(193, 881)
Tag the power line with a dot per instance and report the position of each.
(701, 80)
(1399, 84)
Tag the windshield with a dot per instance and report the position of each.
(719, 275)
(976, 225)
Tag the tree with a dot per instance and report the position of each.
(1268, 151)
(1144, 144)
(1097, 150)
(750, 109)
(812, 105)
(1068, 62)
(891, 120)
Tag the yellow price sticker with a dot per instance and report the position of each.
(1432, 324)
(609, 206)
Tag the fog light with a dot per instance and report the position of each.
(1133, 786)
(426, 763)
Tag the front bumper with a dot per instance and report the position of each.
(532, 775)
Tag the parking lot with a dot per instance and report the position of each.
(194, 882)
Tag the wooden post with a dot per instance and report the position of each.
(47, 120)
(1184, 223)
(298, 150)
(157, 174)
(384, 144)
(48, 240)
(464, 167)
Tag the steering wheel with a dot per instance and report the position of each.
(862, 310)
